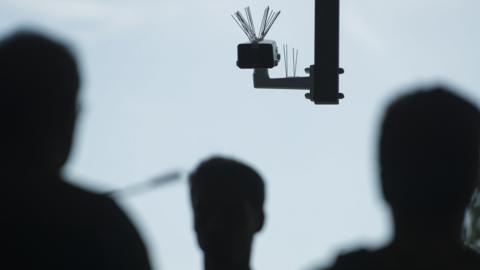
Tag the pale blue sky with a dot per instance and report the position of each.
(161, 91)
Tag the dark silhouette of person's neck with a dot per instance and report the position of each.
(432, 233)
(241, 262)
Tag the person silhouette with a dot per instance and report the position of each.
(429, 167)
(227, 199)
(48, 223)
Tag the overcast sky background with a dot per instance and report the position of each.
(161, 91)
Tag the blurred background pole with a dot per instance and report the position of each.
(146, 186)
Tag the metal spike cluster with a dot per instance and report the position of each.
(248, 27)
(294, 58)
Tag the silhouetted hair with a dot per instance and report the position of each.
(429, 151)
(37, 72)
(39, 83)
(230, 178)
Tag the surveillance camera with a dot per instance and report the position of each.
(262, 54)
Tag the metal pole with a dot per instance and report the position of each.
(326, 68)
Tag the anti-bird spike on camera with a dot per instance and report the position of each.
(248, 27)
(294, 60)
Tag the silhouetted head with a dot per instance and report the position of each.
(429, 155)
(227, 199)
(39, 82)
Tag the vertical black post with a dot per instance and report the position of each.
(326, 68)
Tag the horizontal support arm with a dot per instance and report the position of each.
(261, 79)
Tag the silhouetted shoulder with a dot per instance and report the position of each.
(472, 259)
(60, 226)
(387, 259)
(115, 231)
(360, 259)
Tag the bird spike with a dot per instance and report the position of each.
(248, 27)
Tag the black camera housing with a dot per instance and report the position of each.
(263, 54)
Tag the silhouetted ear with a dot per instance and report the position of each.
(198, 234)
(260, 221)
(386, 189)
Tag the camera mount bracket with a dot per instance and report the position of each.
(323, 79)
(261, 79)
